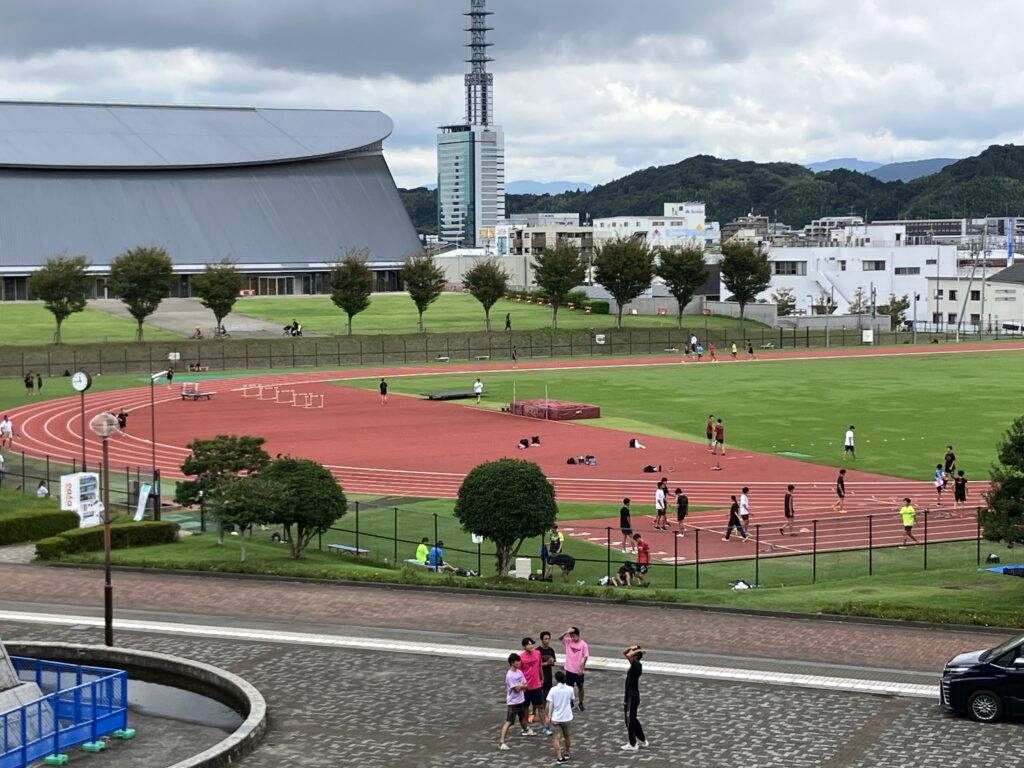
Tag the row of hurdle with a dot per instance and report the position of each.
(278, 394)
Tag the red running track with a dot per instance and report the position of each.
(414, 447)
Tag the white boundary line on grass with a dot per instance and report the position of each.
(731, 674)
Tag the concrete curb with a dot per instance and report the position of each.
(510, 594)
(225, 686)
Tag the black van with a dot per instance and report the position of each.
(986, 684)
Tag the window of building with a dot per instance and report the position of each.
(657, 223)
(951, 318)
(930, 261)
(937, 318)
(975, 319)
(975, 295)
(908, 270)
(874, 266)
(789, 267)
(938, 293)
(842, 266)
(952, 295)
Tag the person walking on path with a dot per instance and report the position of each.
(515, 698)
(700, 352)
(478, 390)
(508, 321)
(626, 526)
(710, 431)
(576, 654)
(733, 351)
(745, 508)
(734, 521)
(383, 387)
(960, 491)
(840, 504)
(6, 432)
(682, 509)
(29, 383)
(711, 352)
(848, 446)
(122, 420)
(909, 515)
(631, 700)
(693, 344)
(939, 478)
(39, 384)
(719, 437)
(949, 461)
(643, 559)
(788, 511)
(750, 351)
(515, 356)
(559, 701)
(530, 662)
(660, 506)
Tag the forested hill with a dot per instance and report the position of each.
(990, 184)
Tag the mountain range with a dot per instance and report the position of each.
(988, 184)
(528, 187)
(906, 171)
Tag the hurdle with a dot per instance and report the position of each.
(309, 400)
(252, 390)
(271, 389)
(285, 396)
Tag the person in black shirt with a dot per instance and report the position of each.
(960, 491)
(734, 521)
(383, 387)
(626, 526)
(547, 662)
(682, 510)
(788, 511)
(840, 491)
(631, 700)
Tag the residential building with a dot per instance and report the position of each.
(977, 302)
(471, 154)
(679, 224)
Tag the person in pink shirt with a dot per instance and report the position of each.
(576, 654)
(530, 662)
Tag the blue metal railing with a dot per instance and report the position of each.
(80, 705)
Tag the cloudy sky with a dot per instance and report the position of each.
(586, 90)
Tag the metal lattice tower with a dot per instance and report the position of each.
(479, 82)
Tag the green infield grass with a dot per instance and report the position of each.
(30, 323)
(395, 313)
(906, 408)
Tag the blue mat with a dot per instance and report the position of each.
(1009, 570)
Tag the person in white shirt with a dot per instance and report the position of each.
(560, 700)
(745, 508)
(6, 432)
(660, 506)
(42, 491)
(478, 389)
(848, 447)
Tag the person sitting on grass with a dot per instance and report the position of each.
(435, 559)
(625, 575)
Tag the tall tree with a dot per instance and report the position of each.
(62, 283)
(352, 283)
(1003, 519)
(243, 502)
(557, 271)
(684, 271)
(785, 301)
(506, 501)
(218, 287)
(307, 497)
(745, 273)
(487, 281)
(141, 277)
(424, 281)
(624, 266)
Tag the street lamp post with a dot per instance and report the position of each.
(104, 424)
(152, 442)
(916, 297)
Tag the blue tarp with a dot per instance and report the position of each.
(1009, 570)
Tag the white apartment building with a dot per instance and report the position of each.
(679, 224)
(977, 303)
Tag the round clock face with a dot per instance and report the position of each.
(81, 381)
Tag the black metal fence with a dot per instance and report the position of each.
(822, 549)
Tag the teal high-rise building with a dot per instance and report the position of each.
(471, 155)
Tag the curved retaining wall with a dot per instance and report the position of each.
(204, 679)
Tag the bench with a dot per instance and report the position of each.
(197, 368)
(455, 394)
(418, 564)
(442, 358)
(339, 548)
(482, 357)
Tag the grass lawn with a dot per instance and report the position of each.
(395, 313)
(29, 323)
(953, 594)
(906, 409)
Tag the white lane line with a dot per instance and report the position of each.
(849, 685)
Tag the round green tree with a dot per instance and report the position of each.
(306, 496)
(506, 501)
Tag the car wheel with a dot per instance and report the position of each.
(985, 706)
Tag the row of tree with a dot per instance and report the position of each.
(895, 307)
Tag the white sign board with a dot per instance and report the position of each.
(867, 336)
(174, 356)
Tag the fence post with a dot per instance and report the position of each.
(48, 471)
(23, 489)
(396, 535)
(608, 554)
(696, 557)
(977, 537)
(871, 551)
(782, 342)
(675, 562)
(808, 337)
(926, 539)
(757, 554)
(435, 533)
(357, 528)
(814, 552)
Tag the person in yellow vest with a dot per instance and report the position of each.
(909, 515)
(423, 550)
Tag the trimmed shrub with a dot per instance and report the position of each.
(18, 527)
(122, 536)
(598, 307)
(51, 548)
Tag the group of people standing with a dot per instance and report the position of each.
(537, 693)
(33, 383)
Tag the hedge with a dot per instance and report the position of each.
(122, 535)
(598, 307)
(21, 526)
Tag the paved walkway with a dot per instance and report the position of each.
(335, 704)
(182, 316)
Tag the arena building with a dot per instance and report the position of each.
(281, 192)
